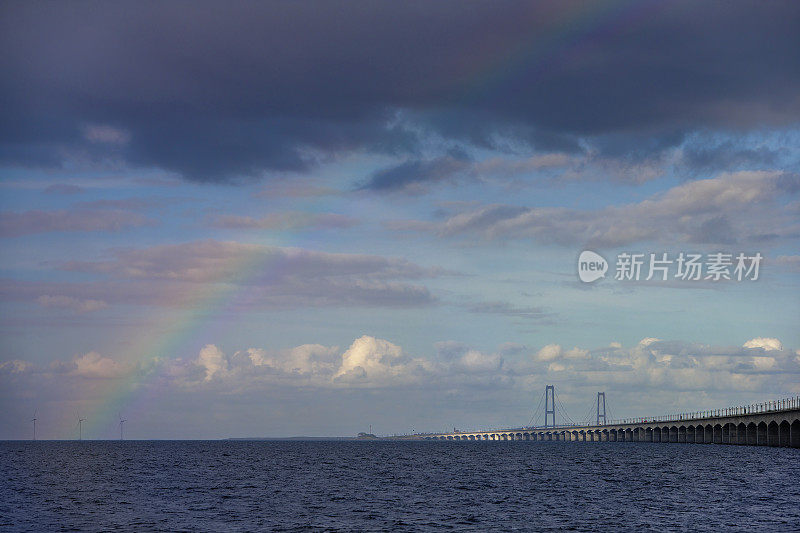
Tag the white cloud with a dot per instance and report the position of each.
(478, 362)
(371, 362)
(764, 363)
(369, 358)
(647, 341)
(213, 360)
(576, 353)
(549, 352)
(552, 352)
(304, 359)
(767, 343)
(94, 365)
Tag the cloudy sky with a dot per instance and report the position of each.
(275, 219)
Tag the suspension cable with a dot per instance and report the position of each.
(541, 398)
(563, 409)
(587, 417)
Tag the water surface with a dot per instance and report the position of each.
(399, 486)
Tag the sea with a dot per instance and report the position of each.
(233, 485)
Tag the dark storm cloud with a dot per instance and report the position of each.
(415, 175)
(217, 91)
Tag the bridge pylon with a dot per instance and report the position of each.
(549, 405)
(601, 413)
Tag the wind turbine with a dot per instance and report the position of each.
(80, 427)
(34, 423)
(121, 421)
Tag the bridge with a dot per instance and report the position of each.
(770, 423)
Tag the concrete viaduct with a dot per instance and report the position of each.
(768, 424)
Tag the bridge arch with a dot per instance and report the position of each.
(741, 433)
(761, 434)
(784, 433)
(731, 430)
(773, 439)
(752, 434)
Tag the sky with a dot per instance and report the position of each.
(269, 219)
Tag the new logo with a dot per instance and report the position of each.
(591, 266)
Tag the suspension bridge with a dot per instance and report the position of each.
(770, 423)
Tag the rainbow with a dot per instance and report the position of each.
(568, 34)
(197, 317)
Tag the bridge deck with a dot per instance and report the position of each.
(778, 427)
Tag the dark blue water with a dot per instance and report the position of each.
(398, 486)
